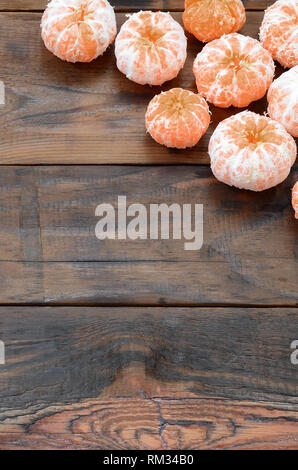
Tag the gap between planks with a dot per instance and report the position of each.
(121, 10)
(122, 6)
(194, 306)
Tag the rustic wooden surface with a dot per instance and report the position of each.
(49, 252)
(143, 379)
(138, 423)
(133, 345)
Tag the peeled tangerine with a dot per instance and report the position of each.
(250, 151)
(150, 48)
(233, 71)
(283, 100)
(177, 118)
(78, 30)
(295, 199)
(279, 32)
(208, 20)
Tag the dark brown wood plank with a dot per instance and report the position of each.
(252, 281)
(85, 113)
(108, 377)
(48, 214)
(49, 251)
(123, 5)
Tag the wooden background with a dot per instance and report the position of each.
(121, 344)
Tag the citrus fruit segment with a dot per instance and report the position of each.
(233, 71)
(279, 32)
(295, 199)
(210, 19)
(177, 118)
(283, 100)
(150, 48)
(250, 151)
(78, 30)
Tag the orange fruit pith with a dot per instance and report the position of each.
(279, 32)
(233, 71)
(250, 151)
(283, 100)
(78, 30)
(210, 19)
(150, 48)
(177, 118)
(295, 199)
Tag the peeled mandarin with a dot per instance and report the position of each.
(250, 151)
(210, 19)
(283, 100)
(150, 48)
(177, 118)
(295, 199)
(233, 71)
(279, 32)
(78, 30)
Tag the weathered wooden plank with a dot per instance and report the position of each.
(49, 251)
(135, 424)
(107, 377)
(122, 5)
(236, 353)
(250, 281)
(48, 214)
(84, 113)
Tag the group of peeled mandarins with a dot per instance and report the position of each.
(247, 150)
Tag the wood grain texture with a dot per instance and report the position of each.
(85, 113)
(123, 5)
(157, 424)
(149, 283)
(49, 251)
(133, 377)
(125, 378)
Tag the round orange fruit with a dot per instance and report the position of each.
(78, 30)
(250, 151)
(279, 32)
(210, 19)
(295, 199)
(150, 48)
(283, 100)
(233, 71)
(177, 118)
